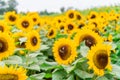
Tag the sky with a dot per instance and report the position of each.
(55, 5)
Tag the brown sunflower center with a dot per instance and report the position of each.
(34, 41)
(70, 27)
(78, 17)
(3, 46)
(8, 77)
(71, 15)
(25, 24)
(80, 26)
(95, 24)
(100, 59)
(12, 18)
(93, 16)
(34, 19)
(51, 33)
(1, 28)
(89, 40)
(64, 52)
(61, 27)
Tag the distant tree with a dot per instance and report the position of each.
(62, 9)
(8, 5)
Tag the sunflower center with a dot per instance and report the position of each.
(78, 17)
(70, 26)
(95, 24)
(8, 77)
(80, 26)
(62, 28)
(71, 15)
(64, 52)
(89, 40)
(100, 59)
(51, 33)
(1, 28)
(25, 24)
(3, 46)
(93, 16)
(34, 19)
(34, 41)
(12, 18)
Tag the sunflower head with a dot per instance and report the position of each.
(25, 24)
(70, 14)
(7, 46)
(90, 37)
(64, 51)
(4, 27)
(99, 59)
(12, 73)
(33, 40)
(51, 33)
(11, 17)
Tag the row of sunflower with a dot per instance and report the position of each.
(66, 46)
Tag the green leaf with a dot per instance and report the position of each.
(34, 67)
(71, 77)
(102, 78)
(84, 50)
(48, 65)
(83, 74)
(44, 47)
(116, 70)
(38, 76)
(59, 75)
(13, 60)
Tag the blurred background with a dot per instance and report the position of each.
(47, 6)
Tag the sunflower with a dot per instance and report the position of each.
(17, 37)
(79, 16)
(51, 33)
(12, 73)
(7, 46)
(70, 14)
(33, 40)
(64, 51)
(81, 24)
(11, 17)
(99, 58)
(35, 18)
(90, 37)
(71, 27)
(4, 27)
(25, 23)
(92, 15)
(62, 28)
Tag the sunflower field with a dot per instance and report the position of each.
(73, 45)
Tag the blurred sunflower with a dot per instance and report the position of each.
(12, 73)
(11, 17)
(33, 40)
(70, 27)
(90, 37)
(17, 37)
(64, 51)
(99, 58)
(70, 15)
(7, 46)
(4, 27)
(51, 33)
(62, 28)
(25, 24)
(92, 15)
(35, 18)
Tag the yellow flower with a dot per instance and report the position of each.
(70, 15)
(51, 33)
(64, 51)
(25, 23)
(11, 17)
(99, 58)
(12, 73)
(90, 37)
(16, 37)
(4, 27)
(7, 46)
(33, 40)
